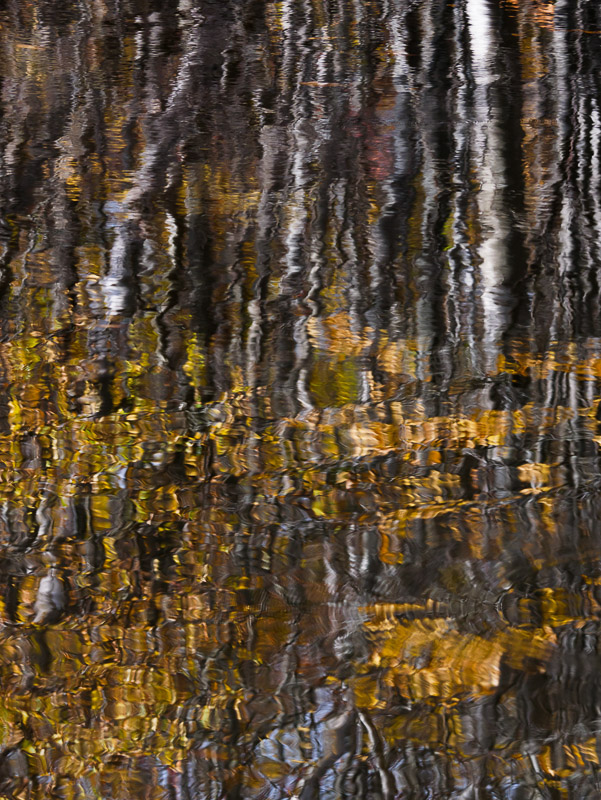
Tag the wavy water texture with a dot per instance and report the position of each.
(300, 400)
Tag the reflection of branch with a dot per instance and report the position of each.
(377, 746)
(310, 787)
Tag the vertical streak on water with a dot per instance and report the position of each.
(490, 168)
(299, 145)
(461, 279)
(595, 183)
(351, 235)
(381, 251)
(565, 262)
(157, 154)
(269, 140)
(300, 148)
(404, 153)
(322, 130)
(171, 253)
(426, 324)
(581, 219)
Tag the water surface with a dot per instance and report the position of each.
(300, 383)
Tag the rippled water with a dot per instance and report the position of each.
(300, 400)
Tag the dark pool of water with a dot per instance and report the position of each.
(300, 396)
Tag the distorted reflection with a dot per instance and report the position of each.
(300, 366)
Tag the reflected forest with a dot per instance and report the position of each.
(300, 400)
